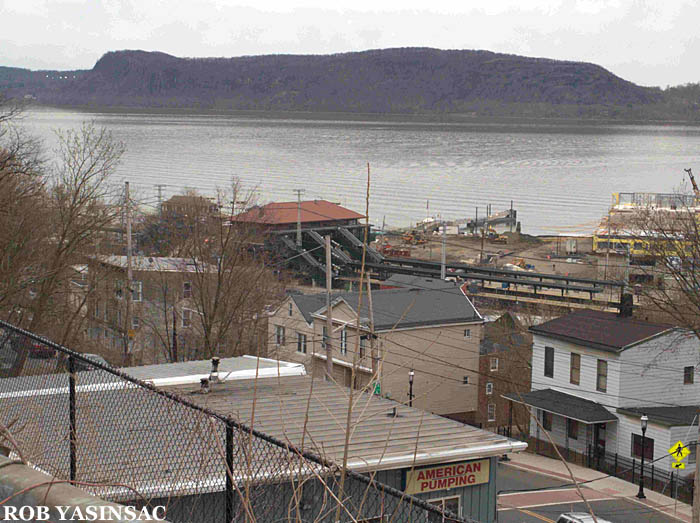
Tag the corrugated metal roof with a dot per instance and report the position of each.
(378, 440)
(603, 330)
(281, 213)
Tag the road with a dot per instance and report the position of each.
(558, 497)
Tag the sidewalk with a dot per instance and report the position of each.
(609, 486)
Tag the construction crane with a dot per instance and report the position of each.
(695, 185)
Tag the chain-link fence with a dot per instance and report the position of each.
(122, 439)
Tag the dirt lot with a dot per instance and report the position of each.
(539, 252)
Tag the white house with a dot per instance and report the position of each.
(595, 373)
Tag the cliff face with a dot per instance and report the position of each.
(409, 80)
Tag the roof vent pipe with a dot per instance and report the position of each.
(204, 386)
(214, 375)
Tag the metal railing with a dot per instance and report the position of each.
(125, 440)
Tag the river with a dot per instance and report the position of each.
(560, 177)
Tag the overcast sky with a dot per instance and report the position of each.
(647, 42)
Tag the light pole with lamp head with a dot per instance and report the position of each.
(410, 387)
(644, 420)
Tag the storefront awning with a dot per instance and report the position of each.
(562, 404)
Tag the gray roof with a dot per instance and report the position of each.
(378, 440)
(190, 368)
(310, 303)
(417, 282)
(412, 307)
(563, 404)
(601, 330)
(668, 416)
(151, 263)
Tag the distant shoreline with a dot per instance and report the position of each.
(424, 118)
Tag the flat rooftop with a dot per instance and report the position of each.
(297, 408)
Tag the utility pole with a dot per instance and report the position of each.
(481, 253)
(174, 354)
(129, 276)
(696, 489)
(510, 217)
(160, 187)
(442, 265)
(373, 345)
(299, 193)
(329, 319)
(476, 221)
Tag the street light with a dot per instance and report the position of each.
(410, 387)
(644, 421)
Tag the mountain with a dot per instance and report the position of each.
(406, 80)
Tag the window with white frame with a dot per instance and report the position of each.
(187, 289)
(343, 341)
(493, 364)
(467, 333)
(452, 504)
(136, 291)
(465, 380)
(301, 342)
(602, 376)
(291, 310)
(491, 411)
(135, 322)
(279, 335)
(363, 346)
(324, 337)
(489, 388)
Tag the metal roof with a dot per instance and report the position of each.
(601, 330)
(378, 440)
(281, 213)
(563, 404)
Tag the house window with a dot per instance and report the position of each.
(186, 317)
(187, 289)
(279, 335)
(363, 346)
(301, 342)
(494, 364)
(546, 420)
(549, 362)
(324, 339)
(135, 322)
(575, 374)
(572, 428)
(118, 285)
(637, 447)
(136, 291)
(492, 412)
(96, 312)
(291, 311)
(688, 375)
(602, 376)
(343, 341)
(489, 388)
(465, 380)
(467, 333)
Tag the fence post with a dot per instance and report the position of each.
(652, 476)
(634, 462)
(71, 417)
(674, 494)
(229, 472)
(615, 465)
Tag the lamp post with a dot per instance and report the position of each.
(410, 387)
(644, 420)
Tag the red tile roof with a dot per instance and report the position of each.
(280, 213)
(603, 330)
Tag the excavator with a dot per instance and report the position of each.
(695, 185)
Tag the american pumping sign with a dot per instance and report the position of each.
(443, 477)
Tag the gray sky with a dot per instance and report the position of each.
(647, 42)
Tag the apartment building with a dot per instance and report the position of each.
(433, 333)
(594, 374)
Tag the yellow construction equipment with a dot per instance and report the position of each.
(695, 185)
